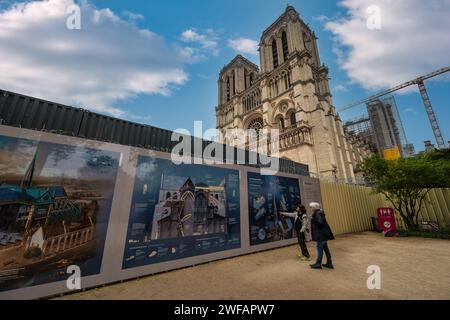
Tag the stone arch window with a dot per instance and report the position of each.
(168, 195)
(251, 79)
(274, 53)
(292, 120)
(286, 80)
(234, 82)
(187, 196)
(256, 125)
(281, 123)
(246, 83)
(271, 88)
(284, 45)
(275, 88)
(228, 88)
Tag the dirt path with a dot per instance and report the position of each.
(411, 268)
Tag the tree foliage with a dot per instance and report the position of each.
(406, 181)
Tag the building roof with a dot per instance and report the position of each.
(14, 193)
(8, 194)
(237, 59)
(201, 185)
(289, 9)
(188, 185)
(57, 191)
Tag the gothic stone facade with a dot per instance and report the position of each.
(291, 93)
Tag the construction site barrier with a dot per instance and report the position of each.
(119, 212)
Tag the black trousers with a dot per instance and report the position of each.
(302, 243)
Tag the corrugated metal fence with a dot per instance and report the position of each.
(349, 208)
(22, 111)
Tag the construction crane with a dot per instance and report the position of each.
(426, 101)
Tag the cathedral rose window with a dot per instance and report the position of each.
(256, 124)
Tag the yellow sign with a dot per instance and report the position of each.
(391, 154)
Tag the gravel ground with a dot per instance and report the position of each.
(411, 268)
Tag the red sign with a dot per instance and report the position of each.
(386, 219)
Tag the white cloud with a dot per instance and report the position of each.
(321, 18)
(410, 110)
(133, 16)
(106, 61)
(340, 88)
(207, 42)
(413, 40)
(244, 45)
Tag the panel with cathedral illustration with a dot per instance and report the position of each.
(180, 211)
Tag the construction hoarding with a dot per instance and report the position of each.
(118, 212)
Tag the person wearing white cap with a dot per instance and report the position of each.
(321, 233)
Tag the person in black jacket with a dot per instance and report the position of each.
(301, 226)
(321, 233)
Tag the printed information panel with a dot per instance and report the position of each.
(180, 211)
(268, 196)
(55, 202)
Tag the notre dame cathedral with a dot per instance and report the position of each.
(290, 92)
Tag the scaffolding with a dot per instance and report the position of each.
(381, 128)
(386, 123)
(362, 128)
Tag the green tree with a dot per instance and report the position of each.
(406, 181)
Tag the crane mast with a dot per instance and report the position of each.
(431, 116)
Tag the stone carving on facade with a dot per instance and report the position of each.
(293, 17)
(295, 137)
(305, 61)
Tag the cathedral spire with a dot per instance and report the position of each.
(28, 177)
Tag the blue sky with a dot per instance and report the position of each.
(177, 83)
